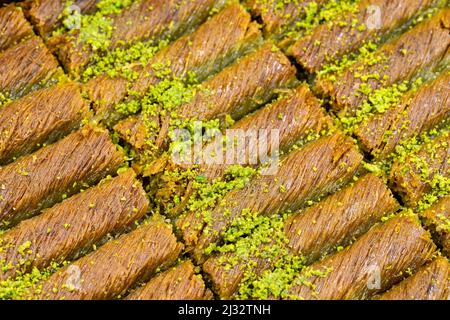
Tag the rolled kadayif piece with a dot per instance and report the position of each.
(418, 111)
(437, 219)
(40, 118)
(413, 177)
(371, 265)
(352, 30)
(73, 226)
(178, 283)
(13, 26)
(49, 175)
(224, 37)
(236, 91)
(431, 282)
(423, 46)
(317, 169)
(26, 66)
(312, 233)
(117, 265)
(152, 20)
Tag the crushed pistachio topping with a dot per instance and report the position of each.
(312, 14)
(207, 194)
(378, 102)
(331, 13)
(254, 238)
(438, 181)
(121, 61)
(160, 99)
(253, 241)
(365, 55)
(444, 223)
(4, 99)
(409, 153)
(94, 29)
(25, 285)
(160, 103)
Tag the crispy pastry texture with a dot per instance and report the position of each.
(26, 66)
(178, 283)
(151, 20)
(413, 177)
(13, 26)
(436, 218)
(431, 282)
(40, 118)
(357, 28)
(112, 269)
(215, 44)
(315, 231)
(45, 177)
(425, 45)
(317, 169)
(417, 112)
(65, 230)
(371, 265)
